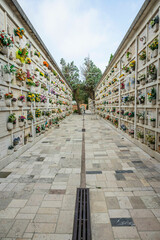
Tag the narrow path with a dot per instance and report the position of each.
(37, 198)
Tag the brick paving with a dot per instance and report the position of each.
(37, 195)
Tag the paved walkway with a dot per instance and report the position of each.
(37, 198)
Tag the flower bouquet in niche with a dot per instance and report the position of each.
(21, 120)
(28, 63)
(21, 55)
(142, 57)
(43, 128)
(14, 102)
(38, 130)
(21, 100)
(37, 98)
(140, 136)
(132, 65)
(30, 117)
(153, 122)
(37, 56)
(152, 71)
(8, 97)
(152, 96)
(142, 79)
(154, 47)
(8, 71)
(38, 113)
(20, 77)
(30, 98)
(43, 100)
(11, 121)
(141, 99)
(5, 42)
(131, 132)
(19, 32)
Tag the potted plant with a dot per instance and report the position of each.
(11, 121)
(5, 42)
(154, 47)
(43, 100)
(131, 116)
(152, 71)
(30, 83)
(14, 102)
(123, 127)
(10, 150)
(20, 76)
(8, 97)
(37, 56)
(48, 113)
(154, 23)
(30, 117)
(28, 63)
(153, 122)
(8, 71)
(21, 100)
(21, 120)
(18, 32)
(152, 96)
(142, 57)
(45, 65)
(140, 136)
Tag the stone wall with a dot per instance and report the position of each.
(41, 81)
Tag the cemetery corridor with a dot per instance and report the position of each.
(38, 189)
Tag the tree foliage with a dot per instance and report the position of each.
(110, 59)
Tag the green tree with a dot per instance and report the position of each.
(110, 59)
(92, 74)
(71, 73)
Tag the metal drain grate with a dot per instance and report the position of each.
(82, 223)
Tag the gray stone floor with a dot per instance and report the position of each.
(37, 198)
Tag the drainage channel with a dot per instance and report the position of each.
(82, 222)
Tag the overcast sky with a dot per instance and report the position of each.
(75, 29)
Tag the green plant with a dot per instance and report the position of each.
(10, 147)
(140, 134)
(154, 44)
(128, 54)
(12, 118)
(142, 56)
(152, 119)
(30, 116)
(152, 95)
(154, 21)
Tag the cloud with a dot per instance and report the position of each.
(74, 29)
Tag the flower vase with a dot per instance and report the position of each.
(141, 121)
(143, 82)
(16, 148)
(27, 66)
(14, 104)
(156, 27)
(152, 146)
(153, 124)
(17, 40)
(30, 139)
(20, 103)
(144, 61)
(155, 53)
(29, 122)
(9, 126)
(29, 104)
(8, 102)
(4, 51)
(21, 124)
(153, 101)
(19, 83)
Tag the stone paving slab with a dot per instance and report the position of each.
(37, 198)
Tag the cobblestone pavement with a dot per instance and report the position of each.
(38, 190)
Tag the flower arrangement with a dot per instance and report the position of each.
(152, 95)
(48, 113)
(8, 95)
(43, 98)
(14, 99)
(141, 99)
(38, 129)
(131, 131)
(19, 32)
(28, 61)
(43, 86)
(36, 53)
(12, 118)
(140, 134)
(131, 115)
(37, 97)
(30, 82)
(59, 110)
(5, 39)
(22, 54)
(30, 116)
(152, 69)
(132, 64)
(154, 44)
(37, 84)
(21, 118)
(122, 86)
(123, 127)
(142, 56)
(38, 113)
(122, 75)
(43, 127)
(41, 73)
(20, 75)
(45, 64)
(152, 119)
(118, 112)
(54, 72)
(21, 98)
(154, 21)
(126, 113)
(30, 97)
(8, 69)
(50, 100)
(126, 69)
(113, 110)
(128, 54)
